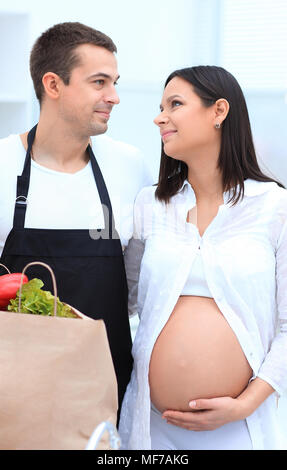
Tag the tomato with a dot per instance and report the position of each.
(9, 285)
(3, 303)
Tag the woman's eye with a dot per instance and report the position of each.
(175, 103)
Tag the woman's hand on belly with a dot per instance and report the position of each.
(207, 414)
(211, 413)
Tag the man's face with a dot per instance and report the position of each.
(87, 101)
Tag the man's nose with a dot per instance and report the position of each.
(112, 97)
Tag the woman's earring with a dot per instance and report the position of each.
(217, 125)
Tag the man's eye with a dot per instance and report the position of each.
(99, 82)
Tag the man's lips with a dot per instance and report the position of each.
(165, 134)
(105, 114)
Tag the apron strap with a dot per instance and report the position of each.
(23, 182)
(104, 195)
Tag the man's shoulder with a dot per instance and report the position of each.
(104, 145)
(126, 161)
(11, 152)
(11, 140)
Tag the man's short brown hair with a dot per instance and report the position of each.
(54, 51)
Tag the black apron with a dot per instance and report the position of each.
(89, 270)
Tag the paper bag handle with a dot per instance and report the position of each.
(3, 266)
(53, 280)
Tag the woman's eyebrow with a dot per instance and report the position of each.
(169, 99)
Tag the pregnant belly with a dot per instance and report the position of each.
(196, 355)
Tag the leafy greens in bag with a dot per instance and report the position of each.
(37, 301)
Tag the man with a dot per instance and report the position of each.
(73, 207)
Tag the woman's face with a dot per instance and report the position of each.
(186, 125)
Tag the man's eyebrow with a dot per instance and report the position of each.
(169, 99)
(102, 74)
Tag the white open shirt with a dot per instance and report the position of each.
(244, 252)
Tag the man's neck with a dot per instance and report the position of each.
(57, 148)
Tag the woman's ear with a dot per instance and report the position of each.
(221, 111)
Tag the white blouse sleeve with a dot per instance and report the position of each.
(134, 252)
(274, 367)
(132, 257)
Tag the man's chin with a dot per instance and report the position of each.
(98, 129)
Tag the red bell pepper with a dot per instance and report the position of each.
(9, 285)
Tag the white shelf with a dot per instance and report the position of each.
(14, 77)
(13, 99)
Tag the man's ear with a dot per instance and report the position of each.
(52, 84)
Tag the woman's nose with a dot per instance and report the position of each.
(161, 119)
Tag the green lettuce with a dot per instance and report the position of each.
(37, 301)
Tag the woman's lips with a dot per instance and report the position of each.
(166, 134)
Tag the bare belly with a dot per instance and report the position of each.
(196, 355)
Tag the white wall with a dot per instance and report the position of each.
(149, 38)
(151, 41)
(153, 37)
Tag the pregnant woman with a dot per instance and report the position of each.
(207, 273)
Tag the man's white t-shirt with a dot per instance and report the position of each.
(58, 200)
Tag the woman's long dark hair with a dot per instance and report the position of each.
(237, 159)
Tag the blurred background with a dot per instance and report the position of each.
(247, 37)
(155, 37)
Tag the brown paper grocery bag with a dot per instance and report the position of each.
(57, 381)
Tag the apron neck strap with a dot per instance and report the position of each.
(23, 182)
(104, 195)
